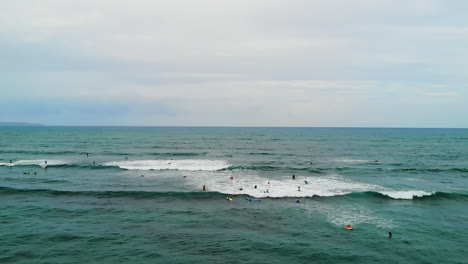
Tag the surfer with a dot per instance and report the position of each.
(390, 235)
(94, 163)
(298, 201)
(240, 189)
(232, 178)
(204, 187)
(306, 182)
(294, 177)
(87, 154)
(10, 162)
(255, 187)
(45, 162)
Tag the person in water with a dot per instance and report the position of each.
(11, 162)
(298, 201)
(390, 235)
(298, 188)
(204, 187)
(294, 177)
(45, 162)
(306, 182)
(255, 187)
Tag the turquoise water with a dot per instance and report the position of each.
(134, 195)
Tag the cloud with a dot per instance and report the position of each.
(304, 63)
(441, 94)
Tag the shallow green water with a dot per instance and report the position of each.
(134, 195)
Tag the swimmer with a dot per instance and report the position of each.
(232, 178)
(390, 235)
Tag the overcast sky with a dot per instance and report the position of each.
(371, 63)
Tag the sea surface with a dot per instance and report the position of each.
(135, 195)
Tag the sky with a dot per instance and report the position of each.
(307, 63)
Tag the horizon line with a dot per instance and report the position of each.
(221, 126)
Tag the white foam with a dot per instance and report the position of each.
(346, 160)
(405, 194)
(285, 187)
(34, 162)
(186, 165)
(351, 215)
(244, 183)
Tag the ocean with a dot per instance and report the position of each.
(135, 195)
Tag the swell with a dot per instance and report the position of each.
(179, 154)
(37, 152)
(432, 196)
(82, 166)
(416, 170)
(312, 169)
(110, 194)
(216, 195)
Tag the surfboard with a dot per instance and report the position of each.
(253, 200)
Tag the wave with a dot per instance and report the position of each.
(429, 170)
(261, 154)
(356, 161)
(177, 154)
(110, 194)
(413, 195)
(37, 152)
(186, 165)
(40, 163)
